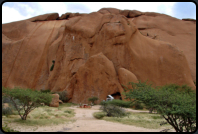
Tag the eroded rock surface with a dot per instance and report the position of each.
(93, 52)
(97, 77)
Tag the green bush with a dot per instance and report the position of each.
(176, 104)
(6, 100)
(63, 96)
(119, 103)
(28, 99)
(93, 99)
(138, 105)
(113, 111)
(99, 115)
(7, 111)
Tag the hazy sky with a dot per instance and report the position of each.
(15, 11)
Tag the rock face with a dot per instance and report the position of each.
(181, 34)
(97, 77)
(125, 76)
(95, 53)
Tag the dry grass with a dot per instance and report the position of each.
(44, 115)
(146, 120)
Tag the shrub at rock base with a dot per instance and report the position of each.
(99, 115)
(7, 110)
(138, 105)
(63, 96)
(113, 111)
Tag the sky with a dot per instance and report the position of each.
(15, 11)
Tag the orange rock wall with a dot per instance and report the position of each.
(93, 52)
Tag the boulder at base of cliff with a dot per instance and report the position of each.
(125, 76)
(55, 101)
(97, 77)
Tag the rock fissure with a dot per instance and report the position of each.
(122, 34)
(102, 26)
(6, 36)
(75, 59)
(41, 61)
(13, 64)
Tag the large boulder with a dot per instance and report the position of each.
(130, 13)
(69, 15)
(55, 101)
(64, 16)
(125, 76)
(109, 10)
(97, 77)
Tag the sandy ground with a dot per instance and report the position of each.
(85, 122)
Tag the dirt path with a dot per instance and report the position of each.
(85, 122)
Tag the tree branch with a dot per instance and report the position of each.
(15, 106)
(175, 120)
(172, 124)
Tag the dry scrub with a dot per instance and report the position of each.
(41, 116)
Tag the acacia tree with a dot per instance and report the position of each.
(28, 99)
(148, 94)
(176, 104)
(93, 99)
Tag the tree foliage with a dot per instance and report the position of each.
(93, 99)
(177, 104)
(28, 99)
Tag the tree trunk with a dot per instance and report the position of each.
(24, 117)
(150, 110)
